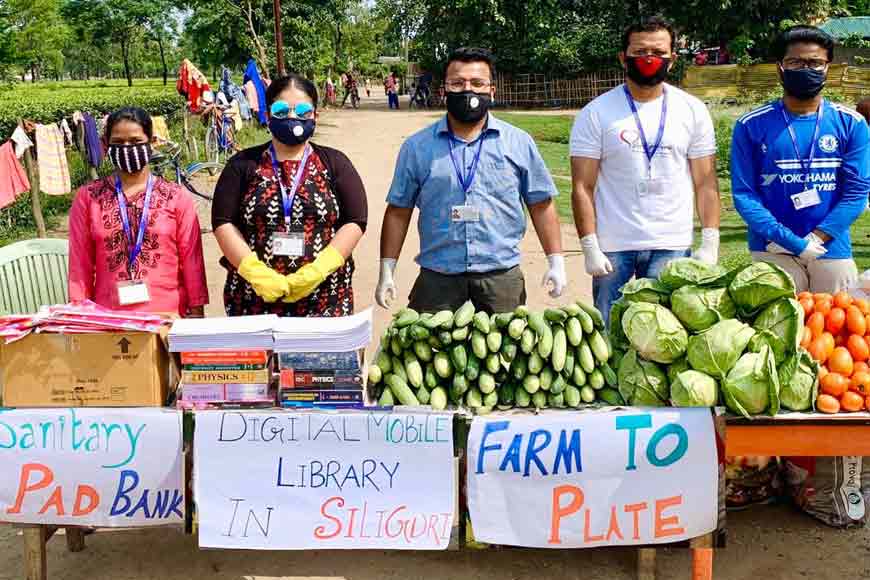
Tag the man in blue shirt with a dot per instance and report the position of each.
(471, 176)
(800, 170)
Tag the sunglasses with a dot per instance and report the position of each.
(282, 110)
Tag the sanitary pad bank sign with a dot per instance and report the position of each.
(313, 480)
(584, 480)
(91, 467)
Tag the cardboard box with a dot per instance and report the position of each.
(124, 369)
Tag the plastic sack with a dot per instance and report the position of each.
(751, 480)
(834, 490)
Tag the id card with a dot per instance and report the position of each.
(290, 244)
(805, 199)
(649, 187)
(465, 213)
(133, 292)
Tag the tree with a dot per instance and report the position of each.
(38, 35)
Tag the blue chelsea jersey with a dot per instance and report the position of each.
(769, 168)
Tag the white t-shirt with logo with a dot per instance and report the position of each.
(630, 215)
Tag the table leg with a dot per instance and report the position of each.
(35, 566)
(646, 564)
(75, 539)
(702, 558)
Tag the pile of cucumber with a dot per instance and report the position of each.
(557, 358)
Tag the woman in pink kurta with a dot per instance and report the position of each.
(167, 267)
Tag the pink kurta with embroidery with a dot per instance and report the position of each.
(171, 261)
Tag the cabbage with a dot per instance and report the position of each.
(799, 381)
(780, 325)
(617, 335)
(641, 382)
(694, 389)
(654, 332)
(699, 308)
(717, 349)
(752, 386)
(685, 271)
(759, 284)
(646, 290)
(676, 367)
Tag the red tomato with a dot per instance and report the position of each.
(835, 320)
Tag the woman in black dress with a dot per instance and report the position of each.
(288, 215)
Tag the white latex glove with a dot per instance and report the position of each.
(708, 252)
(774, 248)
(556, 274)
(386, 290)
(597, 263)
(815, 248)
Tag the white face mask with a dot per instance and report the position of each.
(129, 158)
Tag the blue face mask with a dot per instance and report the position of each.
(291, 131)
(803, 84)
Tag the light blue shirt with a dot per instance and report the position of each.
(510, 175)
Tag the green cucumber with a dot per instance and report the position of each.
(587, 394)
(481, 322)
(490, 400)
(556, 400)
(569, 363)
(572, 309)
(423, 350)
(493, 341)
(443, 365)
(584, 355)
(546, 377)
(522, 398)
(596, 380)
(599, 347)
(574, 332)
(609, 375)
(406, 317)
(423, 395)
(572, 396)
(375, 374)
(464, 315)
(509, 349)
(461, 334)
(399, 368)
(555, 315)
(545, 342)
(538, 323)
(474, 398)
(445, 337)
(459, 357)
(594, 313)
(586, 322)
(527, 341)
(536, 363)
(506, 394)
(438, 398)
(401, 391)
(418, 332)
(560, 349)
(478, 344)
(486, 383)
(521, 311)
(503, 320)
(532, 384)
(383, 361)
(434, 343)
(396, 346)
(493, 364)
(558, 385)
(579, 377)
(539, 400)
(430, 377)
(520, 367)
(439, 319)
(516, 328)
(405, 337)
(460, 385)
(386, 399)
(472, 368)
(414, 370)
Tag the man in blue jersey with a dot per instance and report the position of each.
(800, 170)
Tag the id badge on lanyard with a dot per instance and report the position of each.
(650, 186)
(810, 196)
(289, 243)
(466, 213)
(133, 291)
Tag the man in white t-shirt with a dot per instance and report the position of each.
(642, 154)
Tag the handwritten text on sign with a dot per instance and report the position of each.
(576, 480)
(283, 481)
(91, 467)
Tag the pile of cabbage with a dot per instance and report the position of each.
(700, 336)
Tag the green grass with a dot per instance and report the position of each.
(551, 134)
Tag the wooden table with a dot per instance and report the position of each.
(800, 435)
(35, 539)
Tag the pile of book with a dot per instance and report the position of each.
(225, 379)
(329, 380)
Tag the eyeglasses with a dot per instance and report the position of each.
(802, 63)
(283, 110)
(457, 85)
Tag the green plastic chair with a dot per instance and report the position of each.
(33, 273)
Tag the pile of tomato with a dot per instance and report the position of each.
(837, 335)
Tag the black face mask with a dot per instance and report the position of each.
(292, 131)
(468, 106)
(647, 70)
(803, 84)
(129, 158)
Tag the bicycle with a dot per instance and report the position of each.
(421, 99)
(199, 178)
(220, 138)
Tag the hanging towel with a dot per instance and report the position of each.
(67, 132)
(93, 143)
(21, 140)
(13, 180)
(161, 131)
(253, 75)
(53, 169)
(235, 93)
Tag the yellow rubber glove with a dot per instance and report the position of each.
(268, 284)
(306, 280)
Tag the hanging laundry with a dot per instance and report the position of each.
(234, 113)
(235, 93)
(192, 84)
(259, 96)
(21, 140)
(67, 132)
(13, 179)
(161, 130)
(53, 169)
(93, 143)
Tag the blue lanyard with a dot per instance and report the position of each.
(650, 152)
(794, 140)
(135, 249)
(286, 197)
(466, 180)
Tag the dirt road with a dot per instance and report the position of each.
(769, 543)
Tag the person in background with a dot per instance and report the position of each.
(288, 214)
(800, 170)
(392, 92)
(472, 177)
(349, 87)
(643, 157)
(863, 107)
(134, 238)
(330, 92)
